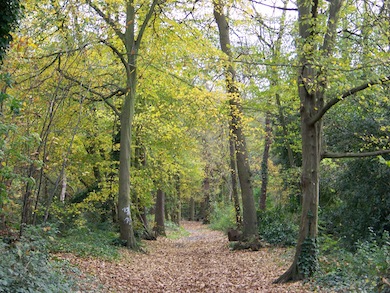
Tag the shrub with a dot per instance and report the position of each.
(25, 265)
(278, 227)
(88, 241)
(222, 217)
(362, 271)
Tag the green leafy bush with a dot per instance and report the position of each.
(88, 241)
(278, 227)
(362, 271)
(25, 264)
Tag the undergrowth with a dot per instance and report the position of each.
(175, 231)
(278, 227)
(222, 217)
(87, 241)
(26, 266)
(366, 270)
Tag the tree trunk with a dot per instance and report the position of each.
(264, 164)
(160, 213)
(178, 202)
(206, 201)
(233, 175)
(282, 122)
(249, 226)
(305, 261)
(192, 209)
(311, 93)
(124, 211)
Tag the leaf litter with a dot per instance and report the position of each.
(200, 262)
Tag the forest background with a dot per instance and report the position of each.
(261, 116)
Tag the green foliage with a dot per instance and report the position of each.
(278, 227)
(362, 271)
(174, 231)
(25, 264)
(308, 258)
(222, 216)
(357, 200)
(89, 241)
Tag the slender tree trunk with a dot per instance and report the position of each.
(249, 226)
(264, 164)
(282, 122)
(124, 211)
(192, 209)
(206, 201)
(178, 202)
(233, 175)
(160, 213)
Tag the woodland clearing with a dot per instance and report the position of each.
(200, 261)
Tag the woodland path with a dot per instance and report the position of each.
(200, 262)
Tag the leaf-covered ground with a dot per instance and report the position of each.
(199, 262)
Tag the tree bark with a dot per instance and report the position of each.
(249, 226)
(264, 163)
(192, 209)
(206, 201)
(160, 213)
(233, 175)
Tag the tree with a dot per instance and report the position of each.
(128, 54)
(10, 12)
(315, 46)
(249, 226)
(160, 212)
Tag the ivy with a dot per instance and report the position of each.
(308, 259)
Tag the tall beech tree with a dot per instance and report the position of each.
(249, 222)
(130, 35)
(316, 44)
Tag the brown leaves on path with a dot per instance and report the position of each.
(200, 262)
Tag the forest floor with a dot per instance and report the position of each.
(201, 261)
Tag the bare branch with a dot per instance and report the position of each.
(119, 54)
(273, 6)
(62, 52)
(108, 20)
(145, 23)
(354, 155)
(104, 98)
(346, 94)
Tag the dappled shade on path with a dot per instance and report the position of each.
(200, 262)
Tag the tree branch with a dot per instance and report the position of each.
(145, 24)
(119, 54)
(353, 155)
(346, 94)
(104, 98)
(108, 20)
(275, 7)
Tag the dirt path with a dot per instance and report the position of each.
(201, 262)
